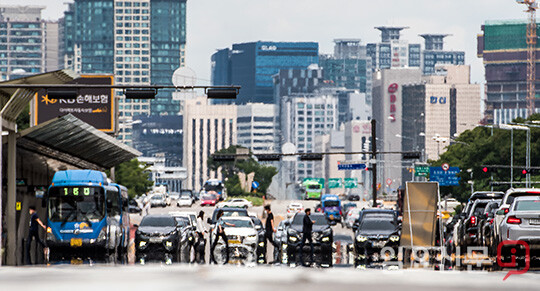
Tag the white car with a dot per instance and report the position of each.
(236, 202)
(449, 204)
(294, 208)
(184, 201)
(352, 216)
(242, 238)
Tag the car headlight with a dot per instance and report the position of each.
(168, 244)
(361, 238)
(261, 244)
(252, 237)
(394, 238)
(142, 244)
(325, 239)
(293, 238)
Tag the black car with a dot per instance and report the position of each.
(322, 236)
(261, 246)
(485, 226)
(133, 206)
(353, 197)
(188, 238)
(460, 230)
(375, 229)
(157, 239)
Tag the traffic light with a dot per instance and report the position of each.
(486, 169)
(525, 172)
(268, 157)
(311, 157)
(411, 156)
(223, 158)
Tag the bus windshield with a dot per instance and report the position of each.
(314, 187)
(71, 204)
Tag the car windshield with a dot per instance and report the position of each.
(208, 197)
(332, 203)
(158, 221)
(318, 218)
(479, 209)
(314, 187)
(157, 197)
(185, 197)
(238, 223)
(257, 221)
(377, 224)
(69, 204)
(527, 205)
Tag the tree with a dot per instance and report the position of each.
(476, 148)
(132, 175)
(23, 120)
(230, 170)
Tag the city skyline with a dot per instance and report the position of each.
(209, 29)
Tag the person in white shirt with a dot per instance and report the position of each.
(200, 245)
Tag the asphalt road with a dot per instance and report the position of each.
(260, 277)
(185, 277)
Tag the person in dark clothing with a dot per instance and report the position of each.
(220, 232)
(306, 235)
(270, 229)
(33, 232)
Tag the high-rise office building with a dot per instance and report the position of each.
(257, 127)
(503, 47)
(153, 135)
(252, 65)
(349, 66)
(141, 42)
(207, 129)
(393, 52)
(28, 44)
(388, 111)
(305, 80)
(438, 109)
(303, 117)
(434, 53)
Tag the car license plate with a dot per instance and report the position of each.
(234, 242)
(155, 240)
(76, 242)
(534, 221)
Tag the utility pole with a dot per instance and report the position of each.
(374, 160)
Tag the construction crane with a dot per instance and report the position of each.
(532, 5)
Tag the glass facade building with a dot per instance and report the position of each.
(168, 40)
(147, 45)
(154, 135)
(252, 66)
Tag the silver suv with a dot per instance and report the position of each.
(523, 221)
(504, 208)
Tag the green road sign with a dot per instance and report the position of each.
(421, 171)
(335, 183)
(319, 180)
(351, 183)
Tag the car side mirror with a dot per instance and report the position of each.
(286, 223)
(135, 225)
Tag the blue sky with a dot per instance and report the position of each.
(214, 24)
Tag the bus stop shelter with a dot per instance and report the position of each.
(64, 140)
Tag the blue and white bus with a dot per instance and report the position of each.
(87, 217)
